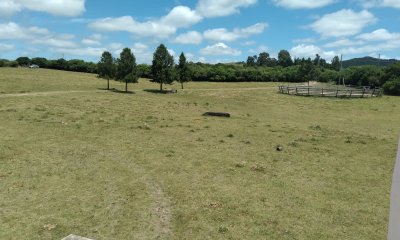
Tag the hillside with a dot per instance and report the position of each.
(368, 61)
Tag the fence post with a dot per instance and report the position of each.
(337, 92)
(322, 91)
(351, 92)
(363, 93)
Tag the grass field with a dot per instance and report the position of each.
(107, 165)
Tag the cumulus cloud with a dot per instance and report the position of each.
(343, 43)
(307, 51)
(35, 35)
(6, 47)
(68, 8)
(220, 49)
(178, 17)
(222, 34)
(380, 3)
(296, 4)
(379, 35)
(191, 37)
(221, 8)
(94, 39)
(343, 23)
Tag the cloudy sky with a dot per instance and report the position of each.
(205, 30)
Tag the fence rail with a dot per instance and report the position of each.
(363, 92)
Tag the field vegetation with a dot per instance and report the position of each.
(75, 158)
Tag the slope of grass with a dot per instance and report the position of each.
(109, 165)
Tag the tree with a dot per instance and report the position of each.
(106, 67)
(284, 58)
(262, 59)
(23, 61)
(162, 68)
(336, 63)
(183, 70)
(126, 68)
(251, 61)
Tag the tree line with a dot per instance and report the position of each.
(257, 68)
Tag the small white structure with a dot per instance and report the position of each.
(33, 66)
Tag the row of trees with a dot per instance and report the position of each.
(75, 65)
(125, 69)
(258, 68)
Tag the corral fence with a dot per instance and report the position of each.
(359, 92)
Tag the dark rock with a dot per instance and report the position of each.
(217, 114)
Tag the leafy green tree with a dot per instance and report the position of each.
(126, 68)
(41, 62)
(335, 64)
(106, 67)
(284, 58)
(392, 87)
(251, 61)
(163, 66)
(23, 61)
(183, 70)
(262, 59)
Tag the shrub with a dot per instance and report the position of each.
(392, 87)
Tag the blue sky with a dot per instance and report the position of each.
(205, 30)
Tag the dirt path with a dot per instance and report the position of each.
(33, 94)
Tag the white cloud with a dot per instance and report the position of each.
(220, 8)
(94, 39)
(12, 30)
(8, 8)
(343, 43)
(379, 35)
(222, 34)
(380, 3)
(178, 17)
(6, 47)
(345, 22)
(191, 37)
(296, 4)
(79, 51)
(304, 40)
(69, 8)
(220, 49)
(307, 51)
(35, 35)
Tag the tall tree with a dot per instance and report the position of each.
(262, 59)
(284, 58)
(163, 66)
(335, 64)
(251, 61)
(183, 70)
(106, 67)
(126, 68)
(23, 61)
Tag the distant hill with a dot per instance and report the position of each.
(368, 61)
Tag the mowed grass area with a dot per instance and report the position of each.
(109, 165)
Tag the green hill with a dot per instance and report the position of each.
(368, 61)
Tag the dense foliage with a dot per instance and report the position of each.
(162, 68)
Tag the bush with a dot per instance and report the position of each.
(392, 87)
(12, 64)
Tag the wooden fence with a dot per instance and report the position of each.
(363, 92)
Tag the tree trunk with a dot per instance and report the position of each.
(126, 86)
(182, 85)
(161, 89)
(108, 84)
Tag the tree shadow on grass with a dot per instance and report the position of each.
(114, 90)
(160, 92)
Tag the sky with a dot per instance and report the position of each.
(205, 30)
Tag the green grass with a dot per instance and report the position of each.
(108, 165)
